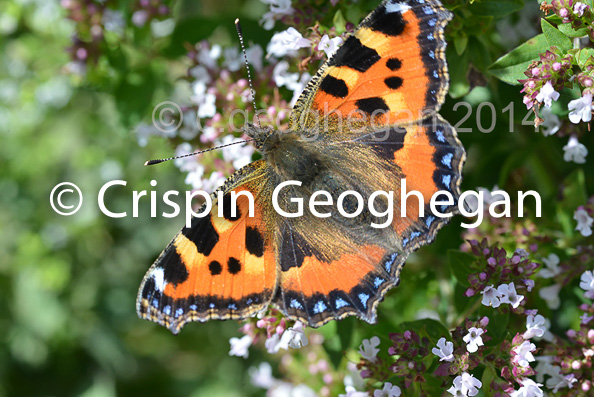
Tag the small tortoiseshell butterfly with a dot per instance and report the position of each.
(389, 78)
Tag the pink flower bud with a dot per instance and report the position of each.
(531, 84)
(563, 13)
(588, 82)
(576, 364)
(535, 71)
(82, 54)
(556, 66)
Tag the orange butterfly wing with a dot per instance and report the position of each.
(219, 268)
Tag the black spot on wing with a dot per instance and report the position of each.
(175, 272)
(393, 82)
(149, 288)
(254, 242)
(355, 55)
(335, 87)
(203, 234)
(386, 143)
(371, 105)
(233, 266)
(215, 268)
(227, 205)
(394, 64)
(391, 24)
(294, 249)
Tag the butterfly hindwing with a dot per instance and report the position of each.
(222, 267)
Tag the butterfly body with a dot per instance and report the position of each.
(347, 133)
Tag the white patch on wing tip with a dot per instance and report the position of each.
(159, 277)
(397, 7)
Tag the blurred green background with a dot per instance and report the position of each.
(68, 285)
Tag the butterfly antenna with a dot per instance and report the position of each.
(153, 162)
(247, 66)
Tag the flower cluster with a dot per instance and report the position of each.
(95, 19)
(577, 13)
(545, 78)
(277, 332)
(493, 265)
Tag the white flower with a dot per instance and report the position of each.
(369, 348)
(298, 87)
(162, 28)
(294, 337)
(200, 73)
(278, 9)
(587, 283)
(261, 376)
(584, 222)
(551, 295)
(239, 347)
(216, 179)
(208, 56)
(575, 151)
(287, 41)
(207, 108)
(529, 389)
(354, 378)
(579, 8)
(509, 295)
(547, 94)
(552, 266)
(233, 59)
(551, 123)
(389, 390)
(465, 385)
(580, 109)
(113, 21)
(329, 46)
(473, 339)
(558, 381)
(194, 178)
(491, 297)
(239, 154)
(140, 17)
(254, 56)
(284, 389)
(445, 351)
(352, 392)
(524, 353)
(272, 344)
(281, 76)
(185, 164)
(544, 367)
(535, 326)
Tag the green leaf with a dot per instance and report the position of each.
(496, 8)
(459, 263)
(134, 95)
(332, 343)
(583, 56)
(339, 22)
(460, 42)
(345, 332)
(567, 30)
(488, 376)
(555, 37)
(574, 195)
(510, 67)
(458, 65)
